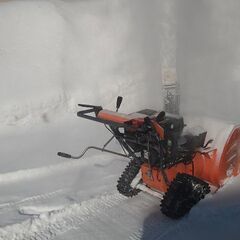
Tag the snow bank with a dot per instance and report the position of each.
(31, 49)
(54, 54)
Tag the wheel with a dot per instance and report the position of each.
(183, 193)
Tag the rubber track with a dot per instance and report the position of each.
(184, 192)
(124, 182)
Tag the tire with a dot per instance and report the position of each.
(183, 193)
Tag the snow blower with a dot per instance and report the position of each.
(179, 166)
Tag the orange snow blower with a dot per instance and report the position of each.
(177, 165)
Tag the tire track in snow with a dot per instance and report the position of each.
(125, 221)
(15, 204)
(111, 216)
(48, 225)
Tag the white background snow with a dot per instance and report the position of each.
(55, 54)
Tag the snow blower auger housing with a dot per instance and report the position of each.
(175, 165)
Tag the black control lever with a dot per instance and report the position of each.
(161, 116)
(118, 103)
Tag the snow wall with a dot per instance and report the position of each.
(55, 54)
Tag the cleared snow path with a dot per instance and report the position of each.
(48, 225)
(107, 217)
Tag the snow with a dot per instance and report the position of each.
(55, 54)
(217, 129)
(208, 58)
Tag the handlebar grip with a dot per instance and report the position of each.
(65, 155)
